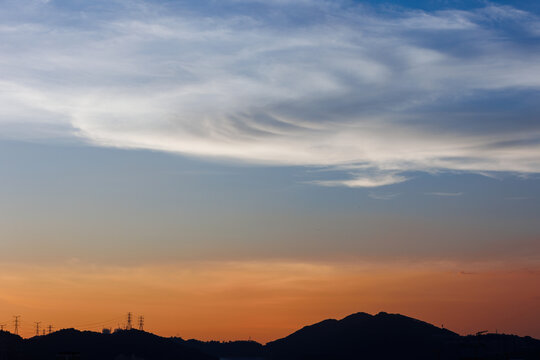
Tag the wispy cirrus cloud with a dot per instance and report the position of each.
(341, 85)
(383, 196)
(444, 194)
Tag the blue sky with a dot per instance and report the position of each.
(242, 168)
(219, 119)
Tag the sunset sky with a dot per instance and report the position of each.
(238, 169)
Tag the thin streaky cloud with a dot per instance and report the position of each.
(468, 273)
(365, 181)
(444, 194)
(382, 196)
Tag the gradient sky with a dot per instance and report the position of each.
(242, 168)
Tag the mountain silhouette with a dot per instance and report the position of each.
(386, 336)
(87, 345)
(358, 336)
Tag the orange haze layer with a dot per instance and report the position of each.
(268, 300)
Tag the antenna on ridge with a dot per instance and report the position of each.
(16, 322)
(128, 325)
(141, 323)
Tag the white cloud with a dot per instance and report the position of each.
(365, 181)
(347, 87)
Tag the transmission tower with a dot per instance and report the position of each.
(2, 327)
(50, 327)
(128, 325)
(16, 322)
(37, 327)
(141, 323)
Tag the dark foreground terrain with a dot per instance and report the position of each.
(358, 336)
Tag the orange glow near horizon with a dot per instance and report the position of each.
(268, 300)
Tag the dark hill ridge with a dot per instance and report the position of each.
(228, 349)
(87, 345)
(358, 336)
(383, 335)
(9, 345)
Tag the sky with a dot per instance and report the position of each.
(240, 168)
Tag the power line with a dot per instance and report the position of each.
(99, 323)
(39, 330)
